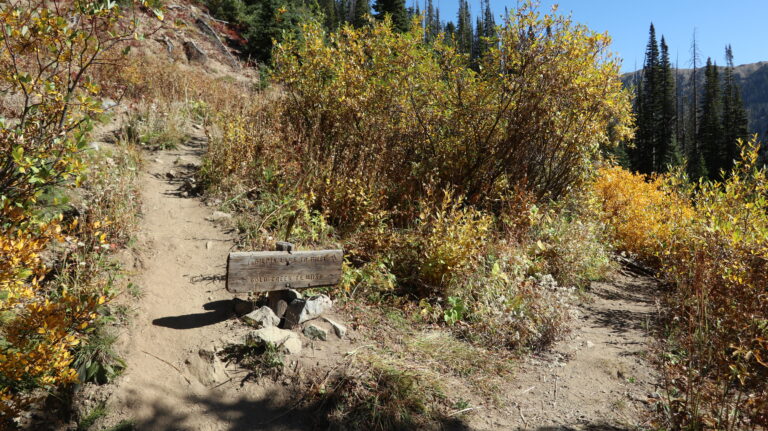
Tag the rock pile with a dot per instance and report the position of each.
(285, 311)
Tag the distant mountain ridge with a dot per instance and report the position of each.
(752, 79)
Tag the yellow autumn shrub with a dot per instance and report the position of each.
(38, 328)
(644, 214)
(449, 239)
(710, 242)
(717, 361)
(47, 103)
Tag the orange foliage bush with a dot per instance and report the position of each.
(38, 328)
(643, 213)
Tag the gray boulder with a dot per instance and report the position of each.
(288, 341)
(302, 310)
(338, 328)
(263, 317)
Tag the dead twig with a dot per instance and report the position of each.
(458, 412)
(169, 364)
(520, 411)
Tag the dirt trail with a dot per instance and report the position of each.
(173, 381)
(597, 379)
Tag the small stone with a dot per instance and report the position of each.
(288, 341)
(159, 161)
(242, 307)
(208, 245)
(219, 216)
(338, 328)
(302, 310)
(262, 318)
(590, 344)
(194, 53)
(278, 300)
(315, 332)
(170, 175)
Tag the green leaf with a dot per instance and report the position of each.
(17, 153)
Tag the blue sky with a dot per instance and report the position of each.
(742, 23)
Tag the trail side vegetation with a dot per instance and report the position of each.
(456, 186)
(696, 212)
(430, 172)
(63, 206)
(472, 188)
(709, 240)
(471, 174)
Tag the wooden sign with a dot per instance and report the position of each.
(265, 271)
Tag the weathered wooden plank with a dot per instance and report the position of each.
(265, 271)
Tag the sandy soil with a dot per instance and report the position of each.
(597, 379)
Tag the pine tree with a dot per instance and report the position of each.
(450, 32)
(646, 108)
(709, 133)
(464, 28)
(413, 11)
(734, 125)
(360, 13)
(396, 9)
(330, 20)
(489, 22)
(429, 23)
(694, 153)
(342, 13)
(477, 39)
(665, 129)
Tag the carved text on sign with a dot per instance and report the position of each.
(264, 271)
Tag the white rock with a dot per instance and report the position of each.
(219, 216)
(302, 310)
(261, 318)
(315, 332)
(590, 344)
(288, 341)
(338, 328)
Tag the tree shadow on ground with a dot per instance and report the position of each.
(631, 306)
(219, 311)
(621, 321)
(274, 411)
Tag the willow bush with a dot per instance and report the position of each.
(429, 169)
(402, 116)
